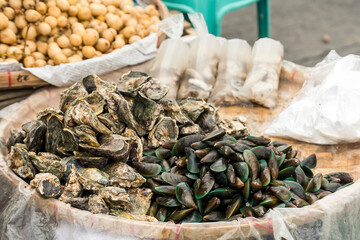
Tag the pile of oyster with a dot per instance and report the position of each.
(82, 153)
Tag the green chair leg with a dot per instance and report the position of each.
(263, 9)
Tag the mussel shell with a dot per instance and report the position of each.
(193, 163)
(263, 164)
(174, 179)
(212, 204)
(153, 209)
(247, 211)
(204, 185)
(199, 145)
(311, 198)
(265, 177)
(162, 153)
(169, 144)
(234, 207)
(300, 203)
(200, 153)
(179, 215)
(273, 165)
(296, 188)
(253, 163)
(194, 217)
(309, 162)
(278, 143)
(269, 202)
(284, 148)
(343, 176)
(246, 189)
(238, 184)
(220, 178)
(223, 192)
(182, 143)
(261, 152)
(147, 169)
(259, 211)
(286, 172)
(191, 176)
(260, 141)
(184, 195)
(161, 214)
(168, 201)
(219, 165)
(200, 205)
(214, 216)
(255, 185)
(241, 170)
(317, 179)
(215, 134)
(210, 157)
(230, 174)
(281, 193)
(165, 189)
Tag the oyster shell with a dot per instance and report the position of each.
(120, 109)
(193, 107)
(131, 82)
(234, 127)
(111, 146)
(69, 162)
(122, 175)
(115, 197)
(164, 131)
(47, 165)
(86, 135)
(209, 119)
(47, 184)
(70, 94)
(94, 83)
(54, 133)
(155, 91)
(96, 102)
(140, 200)
(92, 178)
(73, 187)
(16, 136)
(110, 122)
(35, 131)
(136, 146)
(145, 111)
(190, 129)
(20, 163)
(69, 143)
(97, 205)
(172, 110)
(80, 112)
(46, 113)
(90, 161)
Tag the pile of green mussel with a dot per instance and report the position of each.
(215, 177)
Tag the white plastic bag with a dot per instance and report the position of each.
(235, 59)
(262, 83)
(326, 110)
(199, 77)
(172, 57)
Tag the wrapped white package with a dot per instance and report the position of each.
(325, 110)
(235, 60)
(262, 82)
(199, 77)
(67, 74)
(172, 57)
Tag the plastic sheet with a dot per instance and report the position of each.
(199, 77)
(235, 60)
(67, 74)
(24, 214)
(172, 57)
(325, 110)
(262, 83)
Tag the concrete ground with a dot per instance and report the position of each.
(300, 25)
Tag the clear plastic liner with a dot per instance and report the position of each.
(235, 60)
(200, 75)
(325, 110)
(293, 72)
(24, 214)
(262, 83)
(172, 57)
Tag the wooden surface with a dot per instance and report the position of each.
(19, 79)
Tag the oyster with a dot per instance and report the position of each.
(90, 161)
(145, 111)
(110, 122)
(69, 143)
(96, 205)
(94, 83)
(190, 129)
(69, 162)
(140, 200)
(45, 114)
(130, 83)
(193, 107)
(49, 165)
(172, 110)
(73, 188)
(86, 135)
(234, 127)
(47, 184)
(115, 197)
(209, 119)
(120, 109)
(35, 131)
(54, 133)
(70, 94)
(80, 112)
(20, 163)
(16, 136)
(155, 91)
(136, 146)
(111, 146)
(96, 102)
(164, 131)
(92, 178)
(123, 175)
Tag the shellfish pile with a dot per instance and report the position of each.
(124, 149)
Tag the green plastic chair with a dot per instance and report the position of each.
(215, 10)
